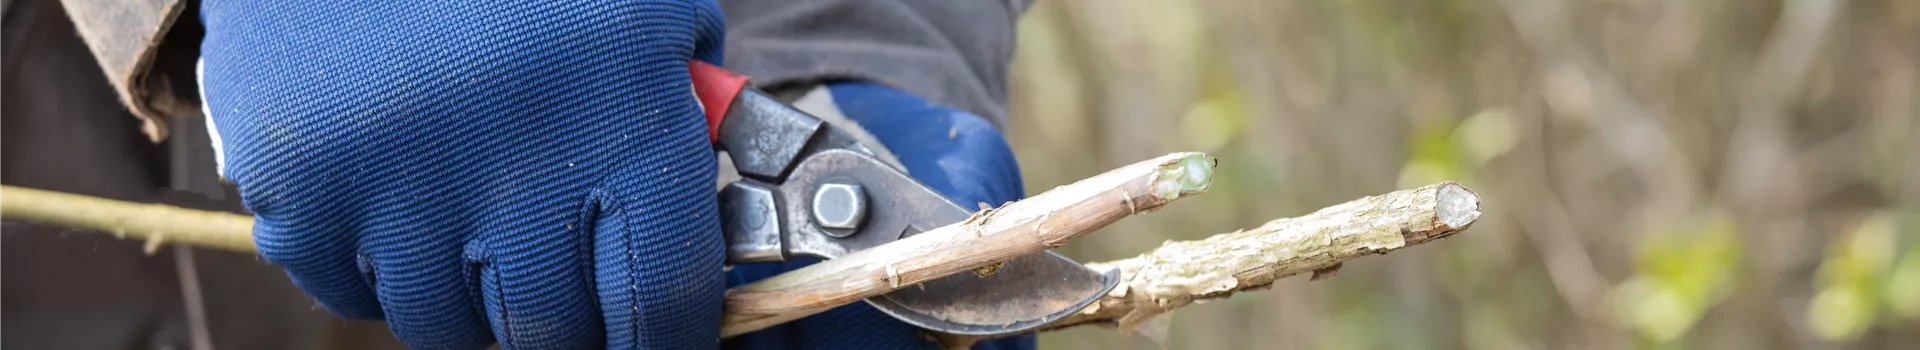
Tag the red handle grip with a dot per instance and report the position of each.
(716, 88)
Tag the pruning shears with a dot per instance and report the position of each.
(810, 189)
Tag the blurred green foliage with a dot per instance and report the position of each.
(1680, 272)
(1860, 278)
(1699, 174)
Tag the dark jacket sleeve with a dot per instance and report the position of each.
(954, 53)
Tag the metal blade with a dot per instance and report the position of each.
(1021, 294)
(1018, 295)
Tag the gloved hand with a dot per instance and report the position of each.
(957, 153)
(535, 173)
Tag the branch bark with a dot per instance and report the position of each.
(154, 222)
(1180, 273)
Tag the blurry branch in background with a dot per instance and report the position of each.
(1762, 178)
(1578, 83)
(1761, 175)
(1570, 268)
(1760, 170)
(1758, 166)
(1183, 273)
(1691, 174)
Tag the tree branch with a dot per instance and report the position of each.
(1175, 275)
(1179, 273)
(154, 222)
(1045, 221)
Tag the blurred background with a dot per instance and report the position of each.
(1714, 174)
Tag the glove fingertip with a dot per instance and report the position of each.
(658, 291)
(710, 42)
(324, 265)
(658, 252)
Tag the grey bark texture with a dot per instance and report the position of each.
(1180, 273)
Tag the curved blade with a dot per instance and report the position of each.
(1021, 294)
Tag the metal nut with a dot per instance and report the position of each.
(839, 206)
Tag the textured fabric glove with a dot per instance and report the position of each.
(956, 153)
(535, 173)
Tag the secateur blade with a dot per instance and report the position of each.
(1008, 297)
(1018, 295)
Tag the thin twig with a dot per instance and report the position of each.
(153, 222)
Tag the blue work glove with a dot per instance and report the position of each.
(956, 153)
(535, 173)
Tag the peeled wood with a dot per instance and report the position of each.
(1036, 224)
